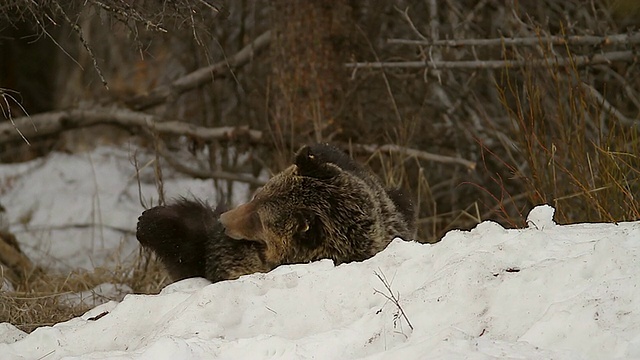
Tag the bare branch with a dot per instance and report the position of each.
(606, 105)
(407, 18)
(577, 60)
(201, 76)
(631, 38)
(124, 15)
(414, 153)
(84, 42)
(6, 96)
(391, 297)
(54, 122)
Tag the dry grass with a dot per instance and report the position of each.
(39, 299)
(408, 173)
(573, 149)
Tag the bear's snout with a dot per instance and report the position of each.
(241, 223)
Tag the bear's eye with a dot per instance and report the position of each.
(255, 193)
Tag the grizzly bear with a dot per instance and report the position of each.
(324, 206)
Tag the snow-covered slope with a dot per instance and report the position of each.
(545, 292)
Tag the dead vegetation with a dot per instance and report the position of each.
(42, 298)
(483, 109)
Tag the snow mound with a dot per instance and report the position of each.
(548, 291)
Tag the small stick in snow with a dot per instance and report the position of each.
(391, 297)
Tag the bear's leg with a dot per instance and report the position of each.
(177, 234)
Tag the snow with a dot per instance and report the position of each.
(544, 292)
(53, 203)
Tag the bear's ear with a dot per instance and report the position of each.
(309, 232)
(312, 165)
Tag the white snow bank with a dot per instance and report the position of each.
(548, 291)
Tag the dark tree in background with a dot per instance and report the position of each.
(311, 43)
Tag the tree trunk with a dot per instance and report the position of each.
(311, 43)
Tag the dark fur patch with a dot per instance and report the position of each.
(313, 160)
(177, 234)
(404, 204)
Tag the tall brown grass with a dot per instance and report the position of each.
(573, 150)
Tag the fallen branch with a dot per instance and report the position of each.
(55, 122)
(631, 38)
(471, 165)
(51, 123)
(577, 60)
(201, 76)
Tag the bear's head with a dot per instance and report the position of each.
(298, 210)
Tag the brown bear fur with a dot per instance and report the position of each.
(325, 205)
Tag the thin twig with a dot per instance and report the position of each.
(134, 162)
(84, 42)
(434, 26)
(158, 145)
(628, 89)
(606, 105)
(391, 297)
(407, 18)
(53, 39)
(414, 153)
(130, 13)
(632, 38)
(577, 60)
(4, 94)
